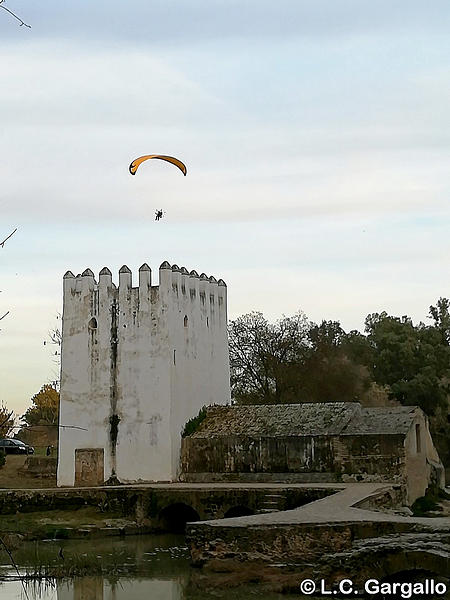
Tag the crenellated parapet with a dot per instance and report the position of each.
(171, 277)
(178, 288)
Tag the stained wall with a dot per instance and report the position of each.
(137, 363)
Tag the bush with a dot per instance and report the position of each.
(193, 424)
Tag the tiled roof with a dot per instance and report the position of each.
(382, 420)
(278, 419)
(330, 418)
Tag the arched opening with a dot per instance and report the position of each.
(174, 517)
(408, 578)
(92, 324)
(238, 511)
(185, 321)
(406, 563)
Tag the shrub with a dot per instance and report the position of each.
(193, 424)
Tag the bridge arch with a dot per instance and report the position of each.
(173, 518)
(404, 565)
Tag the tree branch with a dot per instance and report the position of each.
(14, 15)
(2, 244)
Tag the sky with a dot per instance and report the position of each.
(316, 137)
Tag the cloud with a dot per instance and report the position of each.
(312, 131)
(170, 22)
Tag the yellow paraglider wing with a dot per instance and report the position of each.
(135, 164)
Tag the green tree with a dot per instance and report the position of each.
(44, 409)
(413, 363)
(331, 372)
(441, 317)
(413, 360)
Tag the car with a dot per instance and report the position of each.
(11, 446)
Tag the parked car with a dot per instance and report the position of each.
(10, 446)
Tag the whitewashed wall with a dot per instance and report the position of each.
(157, 355)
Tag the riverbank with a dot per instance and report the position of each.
(345, 534)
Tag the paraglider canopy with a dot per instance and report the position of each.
(175, 161)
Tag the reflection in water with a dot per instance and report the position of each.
(96, 588)
(154, 567)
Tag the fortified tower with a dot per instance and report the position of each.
(136, 364)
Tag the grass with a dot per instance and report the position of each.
(76, 565)
(54, 524)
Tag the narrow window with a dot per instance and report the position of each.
(207, 321)
(174, 359)
(418, 440)
(185, 321)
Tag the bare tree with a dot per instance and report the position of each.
(55, 339)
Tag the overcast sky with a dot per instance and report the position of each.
(316, 137)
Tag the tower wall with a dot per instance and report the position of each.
(137, 363)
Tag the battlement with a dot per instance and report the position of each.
(178, 291)
(171, 277)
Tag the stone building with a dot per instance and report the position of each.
(330, 442)
(136, 364)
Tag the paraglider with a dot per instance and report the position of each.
(175, 161)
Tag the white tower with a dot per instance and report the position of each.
(136, 364)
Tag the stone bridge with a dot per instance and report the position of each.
(168, 507)
(341, 533)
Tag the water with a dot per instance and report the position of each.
(153, 567)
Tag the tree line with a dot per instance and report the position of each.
(294, 360)
(393, 362)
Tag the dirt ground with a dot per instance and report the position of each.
(10, 478)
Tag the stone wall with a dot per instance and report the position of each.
(370, 457)
(286, 543)
(39, 466)
(302, 458)
(240, 454)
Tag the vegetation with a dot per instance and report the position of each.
(193, 424)
(294, 360)
(44, 409)
(6, 421)
(393, 362)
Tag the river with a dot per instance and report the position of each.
(155, 567)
